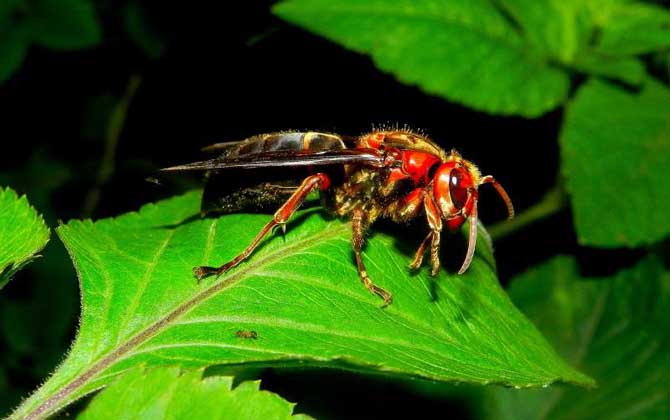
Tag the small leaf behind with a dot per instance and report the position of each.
(615, 149)
(616, 329)
(300, 295)
(169, 393)
(22, 233)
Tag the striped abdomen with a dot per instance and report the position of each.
(264, 189)
(274, 142)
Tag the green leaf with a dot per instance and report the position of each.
(22, 233)
(615, 149)
(615, 329)
(466, 51)
(300, 295)
(629, 28)
(64, 24)
(169, 393)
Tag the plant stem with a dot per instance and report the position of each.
(117, 120)
(553, 201)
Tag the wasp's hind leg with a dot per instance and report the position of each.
(282, 215)
(358, 239)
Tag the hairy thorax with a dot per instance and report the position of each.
(367, 190)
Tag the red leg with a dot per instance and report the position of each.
(279, 219)
(358, 240)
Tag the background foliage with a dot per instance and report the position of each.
(566, 102)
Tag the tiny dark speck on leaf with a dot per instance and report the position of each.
(247, 334)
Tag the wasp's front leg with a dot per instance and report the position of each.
(435, 224)
(418, 257)
(280, 218)
(358, 222)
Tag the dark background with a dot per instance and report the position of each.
(227, 73)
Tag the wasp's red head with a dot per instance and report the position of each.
(455, 191)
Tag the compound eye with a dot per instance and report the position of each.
(457, 188)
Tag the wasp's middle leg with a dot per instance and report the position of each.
(408, 208)
(358, 239)
(282, 215)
